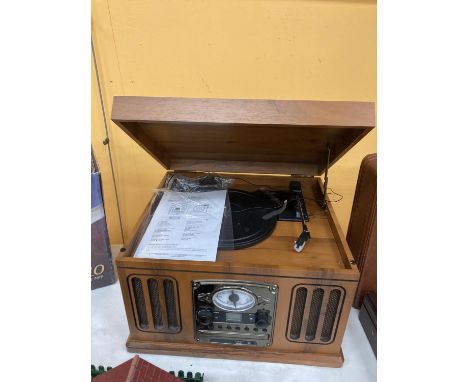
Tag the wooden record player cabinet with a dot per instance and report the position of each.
(257, 142)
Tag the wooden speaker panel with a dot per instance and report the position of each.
(315, 313)
(155, 303)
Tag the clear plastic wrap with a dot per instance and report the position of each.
(204, 183)
(102, 270)
(183, 183)
(189, 219)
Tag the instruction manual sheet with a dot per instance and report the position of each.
(185, 226)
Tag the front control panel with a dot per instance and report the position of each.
(234, 312)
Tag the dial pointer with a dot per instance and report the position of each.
(234, 297)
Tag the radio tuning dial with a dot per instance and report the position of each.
(234, 299)
(205, 316)
(262, 319)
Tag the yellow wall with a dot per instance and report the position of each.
(274, 49)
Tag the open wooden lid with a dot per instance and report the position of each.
(244, 136)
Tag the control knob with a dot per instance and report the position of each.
(205, 316)
(262, 318)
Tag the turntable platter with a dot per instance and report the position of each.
(244, 225)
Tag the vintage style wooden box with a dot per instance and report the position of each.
(257, 142)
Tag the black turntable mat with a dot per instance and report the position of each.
(244, 226)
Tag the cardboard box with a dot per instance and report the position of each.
(102, 270)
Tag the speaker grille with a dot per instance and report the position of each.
(330, 315)
(298, 312)
(155, 304)
(314, 313)
(159, 296)
(170, 305)
(140, 303)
